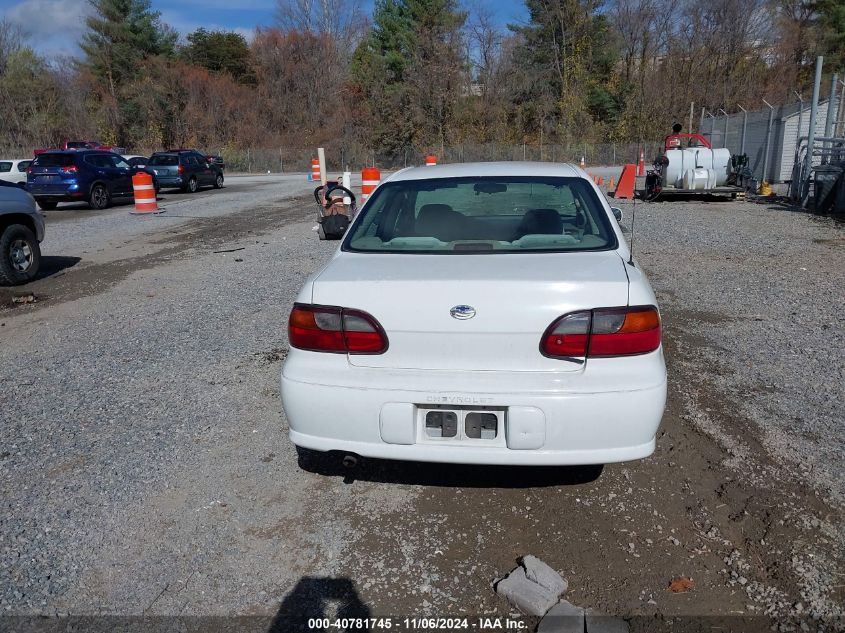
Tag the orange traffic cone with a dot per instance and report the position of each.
(627, 182)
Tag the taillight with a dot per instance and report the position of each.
(603, 332)
(625, 331)
(180, 170)
(568, 336)
(336, 330)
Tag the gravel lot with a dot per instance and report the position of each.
(145, 469)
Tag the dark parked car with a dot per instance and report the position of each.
(217, 159)
(136, 161)
(93, 176)
(21, 231)
(187, 170)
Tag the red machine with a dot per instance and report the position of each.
(673, 141)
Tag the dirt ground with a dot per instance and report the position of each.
(218, 517)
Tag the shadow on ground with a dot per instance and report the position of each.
(316, 598)
(52, 264)
(449, 475)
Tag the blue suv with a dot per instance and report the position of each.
(93, 176)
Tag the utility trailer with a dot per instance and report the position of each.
(696, 168)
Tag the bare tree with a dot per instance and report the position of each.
(341, 20)
(11, 40)
(484, 43)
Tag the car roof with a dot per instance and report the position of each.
(76, 152)
(491, 169)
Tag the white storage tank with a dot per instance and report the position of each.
(687, 165)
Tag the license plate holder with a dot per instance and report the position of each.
(461, 425)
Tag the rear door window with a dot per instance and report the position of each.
(5, 166)
(23, 165)
(98, 160)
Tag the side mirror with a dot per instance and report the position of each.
(617, 213)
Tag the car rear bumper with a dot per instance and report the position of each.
(170, 181)
(55, 194)
(546, 420)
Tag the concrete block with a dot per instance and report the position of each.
(600, 623)
(537, 571)
(564, 617)
(525, 595)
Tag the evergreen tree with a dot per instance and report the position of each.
(220, 51)
(565, 57)
(832, 25)
(415, 54)
(122, 35)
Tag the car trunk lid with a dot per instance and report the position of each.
(470, 312)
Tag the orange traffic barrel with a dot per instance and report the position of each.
(145, 194)
(315, 170)
(430, 160)
(641, 167)
(370, 178)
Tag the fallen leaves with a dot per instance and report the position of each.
(681, 584)
(28, 298)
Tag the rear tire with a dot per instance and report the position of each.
(192, 185)
(46, 205)
(20, 255)
(99, 198)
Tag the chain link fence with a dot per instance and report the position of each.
(341, 156)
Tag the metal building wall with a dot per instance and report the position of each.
(790, 134)
(782, 146)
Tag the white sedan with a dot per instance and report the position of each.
(14, 170)
(483, 313)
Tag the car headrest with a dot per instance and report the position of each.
(435, 211)
(440, 221)
(540, 222)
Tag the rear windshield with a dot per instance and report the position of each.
(54, 160)
(164, 160)
(482, 215)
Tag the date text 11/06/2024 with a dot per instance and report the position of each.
(417, 624)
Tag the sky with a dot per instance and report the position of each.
(53, 27)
